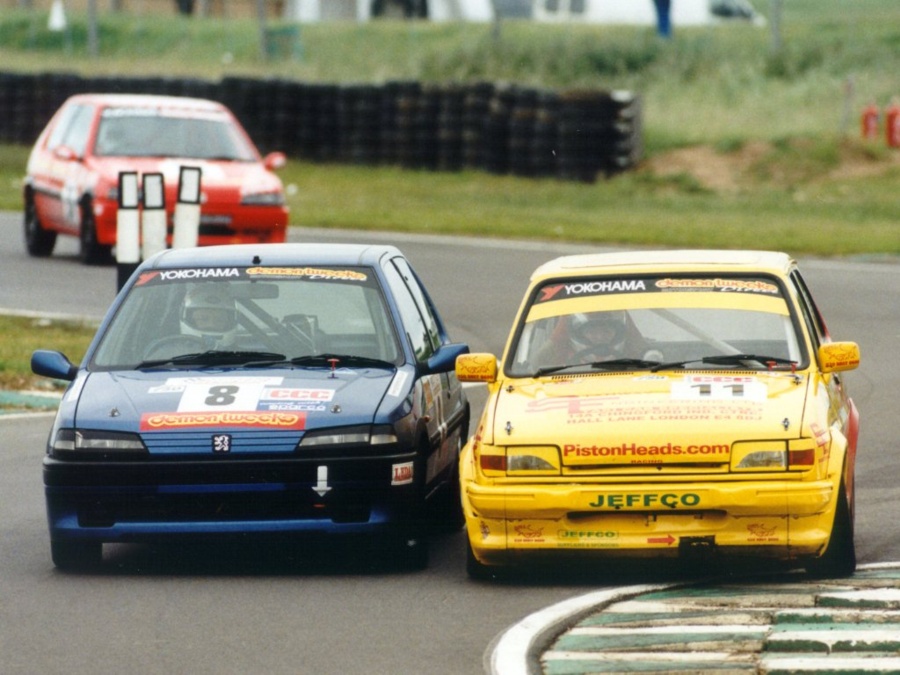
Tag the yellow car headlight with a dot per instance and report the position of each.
(520, 461)
(532, 461)
(759, 456)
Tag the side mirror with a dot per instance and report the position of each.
(837, 356)
(477, 368)
(444, 358)
(275, 160)
(65, 153)
(53, 364)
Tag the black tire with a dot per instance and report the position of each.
(38, 241)
(76, 556)
(448, 514)
(839, 558)
(475, 569)
(413, 554)
(92, 252)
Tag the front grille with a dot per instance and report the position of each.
(646, 469)
(169, 443)
(258, 506)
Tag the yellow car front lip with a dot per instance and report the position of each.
(782, 520)
(775, 498)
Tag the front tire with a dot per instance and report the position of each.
(76, 556)
(413, 554)
(38, 242)
(448, 514)
(839, 559)
(92, 251)
(475, 570)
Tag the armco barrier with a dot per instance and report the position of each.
(571, 135)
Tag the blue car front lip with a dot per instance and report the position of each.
(65, 526)
(153, 500)
(223, 472)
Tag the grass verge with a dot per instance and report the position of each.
(22, 335)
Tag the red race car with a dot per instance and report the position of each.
(71, 185)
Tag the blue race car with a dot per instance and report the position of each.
(258, 390)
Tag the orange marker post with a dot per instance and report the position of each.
(869, 122)
(892, 124)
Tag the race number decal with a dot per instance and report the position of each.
(719, 388)
(221, 402)
(220, 395)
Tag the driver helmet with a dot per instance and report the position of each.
(600, 328)
(208, 311)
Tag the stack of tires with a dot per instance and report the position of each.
(389, 118)
(17, 108)
(425, 128)
(476, 104)
(598, 133)
(545, 135)
(450, 128)
(359, 124)
(522, 122)
(571, 135)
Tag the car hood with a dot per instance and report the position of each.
(601, 420)
(239, 176)
(242, 401)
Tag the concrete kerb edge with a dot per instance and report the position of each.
(518, 649)
(52, 316)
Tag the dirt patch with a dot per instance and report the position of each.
(728, 172)
(713, 170)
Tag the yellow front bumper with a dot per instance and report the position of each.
(776, 519)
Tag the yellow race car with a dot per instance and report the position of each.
(655, 404)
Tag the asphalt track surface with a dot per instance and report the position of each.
(563, 638)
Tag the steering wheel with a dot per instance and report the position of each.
(173, 345)
(599, 351)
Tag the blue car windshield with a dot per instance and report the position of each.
(267, 315)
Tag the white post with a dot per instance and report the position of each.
(187, 210)
(153, 215)
(128, 234)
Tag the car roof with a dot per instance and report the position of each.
(148, 101)
(667, 261)
(242, 255)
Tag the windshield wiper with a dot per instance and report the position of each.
(339, 360)
(216, 357)
(624, 364)
(729, 360)
(611, 364)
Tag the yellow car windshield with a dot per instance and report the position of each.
(643, 323)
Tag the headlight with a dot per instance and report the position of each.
(759, 456)
(74, 442)
(263, 199)
(522, 461)
(349, 436)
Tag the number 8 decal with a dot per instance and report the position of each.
(222, 395)
(232, 394)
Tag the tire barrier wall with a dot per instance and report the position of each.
(571, 135)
